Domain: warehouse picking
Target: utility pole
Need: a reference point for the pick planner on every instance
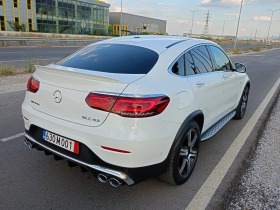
(272, 11)
(256, 34)
(224, 27)
(236, 36)
(121, 20)
(251, 34)
(193, 11)
(206, 27)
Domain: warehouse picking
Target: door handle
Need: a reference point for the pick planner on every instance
(224, 77)
(200, 84)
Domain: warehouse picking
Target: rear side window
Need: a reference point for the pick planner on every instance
(202, 59)
(179, 67)
(190, 67)
(112, 58)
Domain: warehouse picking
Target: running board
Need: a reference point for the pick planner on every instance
(216, 127)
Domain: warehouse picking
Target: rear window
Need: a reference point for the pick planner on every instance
(112, 58)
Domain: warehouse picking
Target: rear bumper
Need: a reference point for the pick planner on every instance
(97, 168)
(93, 163)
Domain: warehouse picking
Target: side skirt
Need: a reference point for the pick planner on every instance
(217, 126)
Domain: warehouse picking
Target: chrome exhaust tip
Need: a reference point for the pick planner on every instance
(115, 182)
(102, 178)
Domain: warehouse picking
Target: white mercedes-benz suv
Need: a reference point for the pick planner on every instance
(134, 107)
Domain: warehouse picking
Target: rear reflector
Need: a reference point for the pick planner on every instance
(33, 85)
(115, 150)
(128, 106)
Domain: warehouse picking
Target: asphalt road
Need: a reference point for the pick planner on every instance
(12, 54)
(31, 180)
(33, 53)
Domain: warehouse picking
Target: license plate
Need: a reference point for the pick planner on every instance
(62, 142)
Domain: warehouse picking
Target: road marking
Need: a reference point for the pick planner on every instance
(12, 137)
(207, 190)
(13, 91)
(35, 59)
(8, 52)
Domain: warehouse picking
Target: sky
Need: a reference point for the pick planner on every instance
(255, 16)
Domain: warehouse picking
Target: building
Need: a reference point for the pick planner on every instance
(57, 16)
(135, 24)
(19, 11)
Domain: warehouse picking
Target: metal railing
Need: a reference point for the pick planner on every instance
(27, 41)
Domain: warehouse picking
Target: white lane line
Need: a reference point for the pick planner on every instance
(12, 137)
(13, 91)
(35, 59)
(207, 190)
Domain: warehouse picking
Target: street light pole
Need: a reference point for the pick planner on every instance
(193, 11)
(121, 20)
(272, 11)
(224, 27)
(237, 26)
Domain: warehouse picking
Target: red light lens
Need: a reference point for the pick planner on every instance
(100, 101)
(128, 107)
(33, 85)
(115, 150)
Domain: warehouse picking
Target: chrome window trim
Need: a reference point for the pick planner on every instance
(198, 45)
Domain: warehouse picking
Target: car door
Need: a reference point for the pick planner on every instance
(229, 79)
(206, 84)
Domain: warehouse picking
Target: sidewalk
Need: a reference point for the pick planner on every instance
(259, 187)
(13, 83)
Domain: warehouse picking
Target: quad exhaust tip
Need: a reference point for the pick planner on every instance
(102, 178)
(112, 181)
(115, 182)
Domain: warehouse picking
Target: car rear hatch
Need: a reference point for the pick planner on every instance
(63, 90)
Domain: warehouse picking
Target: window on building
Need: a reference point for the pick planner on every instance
(2, 23)
(28, 4)
(30, 24)
(1, 2)
(16, 20)
(15, 3)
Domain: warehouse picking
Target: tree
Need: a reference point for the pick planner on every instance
(17, 26)
(110, 30)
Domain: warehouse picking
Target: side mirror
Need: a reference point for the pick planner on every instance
(241, 68)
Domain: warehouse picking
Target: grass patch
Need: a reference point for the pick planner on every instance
(256, 49)
(6, 70)
(236, 51)
(30, 67)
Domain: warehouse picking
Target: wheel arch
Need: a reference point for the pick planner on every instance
(196, 116)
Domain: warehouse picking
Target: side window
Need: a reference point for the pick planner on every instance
(190, 67)
(179, 66)
(222, 61)
(202, 59)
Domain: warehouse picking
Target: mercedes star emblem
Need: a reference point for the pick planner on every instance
(57, 96)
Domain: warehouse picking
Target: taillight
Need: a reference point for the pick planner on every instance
(33, 85)
(128, 106)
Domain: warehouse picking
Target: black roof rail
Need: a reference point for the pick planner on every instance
(176, 43)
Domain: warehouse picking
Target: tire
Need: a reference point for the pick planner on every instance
(241, 108)
(183, 156)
